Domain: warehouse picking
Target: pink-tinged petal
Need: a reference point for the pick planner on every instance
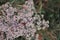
(25, 7)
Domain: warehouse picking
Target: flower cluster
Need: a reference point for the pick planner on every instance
(20, 22)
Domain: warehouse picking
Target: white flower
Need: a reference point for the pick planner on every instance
(42, 15)
(43, 27)
(39, 23)
(38, 27)
(47, 22)
(43, 21)
(37, 36)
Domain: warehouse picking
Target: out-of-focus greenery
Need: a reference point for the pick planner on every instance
(12, 1)
(51, 11)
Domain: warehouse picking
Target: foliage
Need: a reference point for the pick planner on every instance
(51, 12)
